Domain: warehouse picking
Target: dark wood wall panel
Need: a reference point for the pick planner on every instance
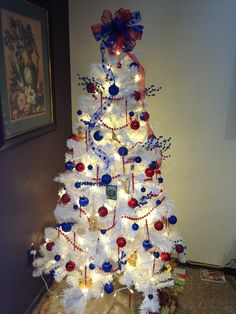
(28, 194)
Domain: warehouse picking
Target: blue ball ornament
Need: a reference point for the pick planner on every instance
(150, 296)
(107, 267)
(79, 112)
(147, 244)
(138, 160)
(153, 165)
(158, 202)
(57, 258)
(109, 288)
(144, 116)
(69, 165)
(131, 113)
(83, 201)
(98, 136)
(143, 189)
(133, 65)
(123, 151)
(75, 206)
(156, 254)
(160, 179)
(172, 220)
(113, 90)
(103, 231)
(91, 266)
(77, 185)
(135, 227)
(66, 226)
(106, 179)
(90, 167)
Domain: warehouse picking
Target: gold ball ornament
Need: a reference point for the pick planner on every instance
(132, 259)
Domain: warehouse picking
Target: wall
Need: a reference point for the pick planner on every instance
(189, 48)
(28, 194)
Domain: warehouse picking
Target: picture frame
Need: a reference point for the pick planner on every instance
(26, 89)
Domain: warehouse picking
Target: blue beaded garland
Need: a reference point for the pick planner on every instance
(172, 220)
(69, 165)
(92, 124)
(138, 160)
(98, 136)
(123, 151)
(106, 179)
(66, 226)
(91, 266)
(109, 288)
(135, 227)
(147, 244)
(52, 274)
(107, 267)
(83, 201)
(113, 90)
(57, 258)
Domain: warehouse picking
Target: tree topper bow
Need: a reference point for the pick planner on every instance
(118, 33)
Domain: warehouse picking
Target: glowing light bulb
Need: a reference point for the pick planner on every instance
(137, 78)
(117, 52)
(85, 290)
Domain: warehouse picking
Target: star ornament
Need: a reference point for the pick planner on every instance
(118, 33)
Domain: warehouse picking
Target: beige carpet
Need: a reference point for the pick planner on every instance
(198, 297)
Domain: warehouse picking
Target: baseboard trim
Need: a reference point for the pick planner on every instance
(36, 301)
(226, 270)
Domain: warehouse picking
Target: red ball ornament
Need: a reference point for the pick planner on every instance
(137, 96)
(70, 266)
(49, 246)
(102, 211)
(179, 248)
(165, 256)
(121, 242)
(80, 167)
(91, 88)
(158, 225)
(149, 172)
(65, 198)
(74, 137)
(133, 202)
(135, 125)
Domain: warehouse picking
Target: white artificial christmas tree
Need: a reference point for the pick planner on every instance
(114, 219)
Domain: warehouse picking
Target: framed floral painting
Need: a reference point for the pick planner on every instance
(25, 72)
